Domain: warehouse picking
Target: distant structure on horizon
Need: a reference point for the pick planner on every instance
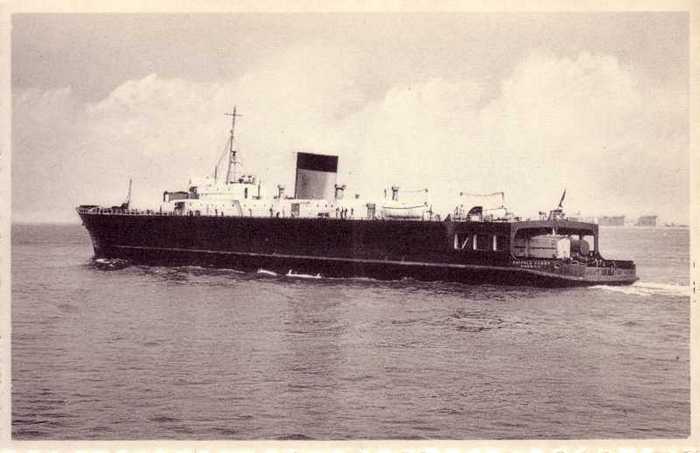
(620, 220)
(646, 220)
(616, 220)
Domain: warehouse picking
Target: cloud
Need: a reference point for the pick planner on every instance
(589, 123)
(617, 141)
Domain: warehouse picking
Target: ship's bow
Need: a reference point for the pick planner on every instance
(88, 216)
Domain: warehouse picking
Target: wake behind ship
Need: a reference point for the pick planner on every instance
(228, 222)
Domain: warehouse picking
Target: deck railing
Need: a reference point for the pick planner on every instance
(150, 212)
(121, 211)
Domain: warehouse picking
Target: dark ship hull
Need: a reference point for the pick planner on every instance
(382, 249)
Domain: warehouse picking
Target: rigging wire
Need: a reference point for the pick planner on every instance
(485, 195)
(226, 150)
(462, 194)
(413, 190)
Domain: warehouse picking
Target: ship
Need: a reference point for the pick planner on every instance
(228, 222)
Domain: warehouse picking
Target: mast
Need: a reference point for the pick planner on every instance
(128, 196)
(233, 162)
(126, 204)
(561, 202)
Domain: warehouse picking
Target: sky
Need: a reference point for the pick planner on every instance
(525, 103)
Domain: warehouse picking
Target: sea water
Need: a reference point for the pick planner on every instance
(192, 353)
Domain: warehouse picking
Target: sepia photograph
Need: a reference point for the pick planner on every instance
(350, 226)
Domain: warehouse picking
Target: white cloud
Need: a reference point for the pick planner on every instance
(608, 134)
(618, 142)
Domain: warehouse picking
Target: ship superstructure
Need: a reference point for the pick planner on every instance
(316, 194)
(229, 222)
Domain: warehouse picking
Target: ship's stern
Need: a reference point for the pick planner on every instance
(612, 272)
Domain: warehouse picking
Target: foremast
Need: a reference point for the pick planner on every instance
(233, 170)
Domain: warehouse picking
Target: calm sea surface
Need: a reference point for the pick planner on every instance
(192, 353)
